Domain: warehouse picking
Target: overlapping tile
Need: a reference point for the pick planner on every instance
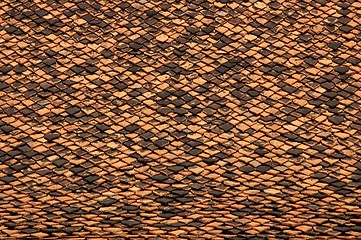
(180, 119)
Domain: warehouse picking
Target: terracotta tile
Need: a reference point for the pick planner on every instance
(150, 119)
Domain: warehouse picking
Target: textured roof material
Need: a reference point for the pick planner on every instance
(180, 119)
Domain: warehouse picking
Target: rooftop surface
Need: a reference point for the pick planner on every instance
(180, 119)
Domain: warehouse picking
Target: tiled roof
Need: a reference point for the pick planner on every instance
(202, 119)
